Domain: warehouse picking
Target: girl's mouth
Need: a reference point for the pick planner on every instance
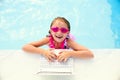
(59, 37)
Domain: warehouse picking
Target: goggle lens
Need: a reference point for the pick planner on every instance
(56, 29)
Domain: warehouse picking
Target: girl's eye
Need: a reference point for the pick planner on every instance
(64, 30)
(55, 29)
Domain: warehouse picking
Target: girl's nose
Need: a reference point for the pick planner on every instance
(59, 32)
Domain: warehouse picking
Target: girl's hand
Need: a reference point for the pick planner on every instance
(49, 54)
(63, 56)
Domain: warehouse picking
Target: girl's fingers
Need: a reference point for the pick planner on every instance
(53, 56)
(50, 59)
(65, 59)
(60, 59)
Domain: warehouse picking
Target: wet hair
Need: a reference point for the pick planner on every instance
(62, 19)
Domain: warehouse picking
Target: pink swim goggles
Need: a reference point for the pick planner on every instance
(56, 29)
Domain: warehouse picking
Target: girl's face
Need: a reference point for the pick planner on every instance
(59, 30)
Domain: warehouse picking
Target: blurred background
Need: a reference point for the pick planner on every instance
(94, 23)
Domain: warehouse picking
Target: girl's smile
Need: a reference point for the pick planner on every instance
(58, 38)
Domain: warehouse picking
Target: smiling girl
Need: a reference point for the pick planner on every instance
(59, 38)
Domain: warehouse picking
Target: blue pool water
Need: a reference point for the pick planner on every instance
(94, 23)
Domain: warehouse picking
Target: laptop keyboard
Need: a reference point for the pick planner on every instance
(56, 67)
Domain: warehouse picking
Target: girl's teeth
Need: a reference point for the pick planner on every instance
(59, 37)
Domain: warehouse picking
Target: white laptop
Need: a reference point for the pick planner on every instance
(56, 67)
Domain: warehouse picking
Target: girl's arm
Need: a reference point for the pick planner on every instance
(79, 51)
(34, 47)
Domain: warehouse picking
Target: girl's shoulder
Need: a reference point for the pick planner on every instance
(69, 40)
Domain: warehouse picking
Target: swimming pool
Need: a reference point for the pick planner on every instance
(94, 24)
